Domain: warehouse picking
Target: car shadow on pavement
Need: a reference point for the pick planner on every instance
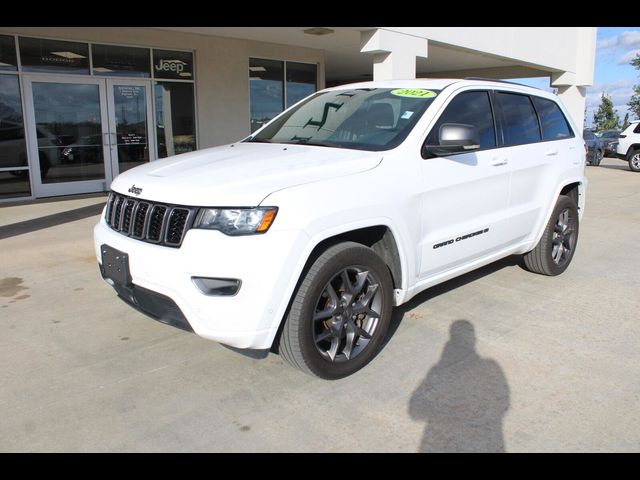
(28, 226)
(463, 399)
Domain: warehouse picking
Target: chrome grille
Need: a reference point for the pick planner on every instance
(151, 222)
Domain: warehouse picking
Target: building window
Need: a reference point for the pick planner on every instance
(172, 65)
(8, 59)
(175, 118)
(14, 170)
(118, 61)
(301, 81)
(50, 56)
(269, 92)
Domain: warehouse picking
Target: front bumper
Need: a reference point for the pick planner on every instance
(249, 319)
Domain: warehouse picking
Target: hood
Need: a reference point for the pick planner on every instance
(240, 174)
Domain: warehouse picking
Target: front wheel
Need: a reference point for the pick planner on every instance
(340, 313)
(634, 160)
(558, 243)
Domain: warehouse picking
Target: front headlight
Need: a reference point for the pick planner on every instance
(236, 221)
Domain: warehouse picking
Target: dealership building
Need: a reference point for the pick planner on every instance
(78, 106)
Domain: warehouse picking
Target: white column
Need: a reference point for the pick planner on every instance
(572, 86)
(572, 96)
(394, 54)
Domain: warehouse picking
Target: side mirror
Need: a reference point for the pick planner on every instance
(454, 138)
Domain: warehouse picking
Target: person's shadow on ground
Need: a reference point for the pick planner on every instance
(463, 399)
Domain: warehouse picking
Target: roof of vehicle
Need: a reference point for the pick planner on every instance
(439, 84)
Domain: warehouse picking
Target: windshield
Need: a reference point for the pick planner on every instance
(362, 119)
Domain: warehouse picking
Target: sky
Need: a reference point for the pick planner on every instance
(616, 47)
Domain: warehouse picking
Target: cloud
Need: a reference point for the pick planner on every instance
(627, 57)
(623, 47)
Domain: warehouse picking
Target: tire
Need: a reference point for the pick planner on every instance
(597, 158)
(634, 160)
(333, 329)
(556, 247)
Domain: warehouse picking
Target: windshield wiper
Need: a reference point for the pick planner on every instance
(259, 140)
(313, 144)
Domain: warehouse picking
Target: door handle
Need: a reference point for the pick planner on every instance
(496, 162)
(106, 139)
(551, 153)
(114, 139)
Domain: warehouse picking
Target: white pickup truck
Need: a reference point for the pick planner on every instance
(301, 238)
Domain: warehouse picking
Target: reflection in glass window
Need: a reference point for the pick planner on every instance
(520, 120)
(130, 106)
(8, 59)
(171, 64)
(14, 183)
(13, 150)
(301, 81)
(266, 90)
(554, 125)
(118, 61)
(69, 131)
(469, 108)
(39, 55)
(175, 118)
(372, 119)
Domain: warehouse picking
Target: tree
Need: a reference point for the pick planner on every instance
(634, 103)
(606, 118)
(625, 123)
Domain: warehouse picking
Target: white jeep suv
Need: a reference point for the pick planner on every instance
(302, 237)
(629, 146)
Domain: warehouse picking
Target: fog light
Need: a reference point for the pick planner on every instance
(218, 287)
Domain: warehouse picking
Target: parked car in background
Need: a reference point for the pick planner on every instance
(595, 148)
(629, 146)
(609, 140)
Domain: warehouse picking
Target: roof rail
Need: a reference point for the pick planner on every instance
(499, 81)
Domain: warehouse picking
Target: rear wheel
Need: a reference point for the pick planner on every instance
(634, 160)
(340, 313)
(558, 243)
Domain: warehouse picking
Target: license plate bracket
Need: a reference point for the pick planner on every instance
(115, 265)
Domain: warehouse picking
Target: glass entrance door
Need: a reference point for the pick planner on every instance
(85, 131)
(130, 119)
(68, 138)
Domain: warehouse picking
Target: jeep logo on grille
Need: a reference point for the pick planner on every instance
(135, 190)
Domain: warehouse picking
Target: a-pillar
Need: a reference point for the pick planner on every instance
(394, 54)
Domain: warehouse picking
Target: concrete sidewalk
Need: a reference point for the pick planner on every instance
(499, 359)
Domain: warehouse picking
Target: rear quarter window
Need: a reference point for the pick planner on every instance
(552, 120)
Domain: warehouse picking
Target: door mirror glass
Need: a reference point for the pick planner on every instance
(454, 138)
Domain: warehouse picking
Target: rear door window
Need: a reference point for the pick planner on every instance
(519, 119)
